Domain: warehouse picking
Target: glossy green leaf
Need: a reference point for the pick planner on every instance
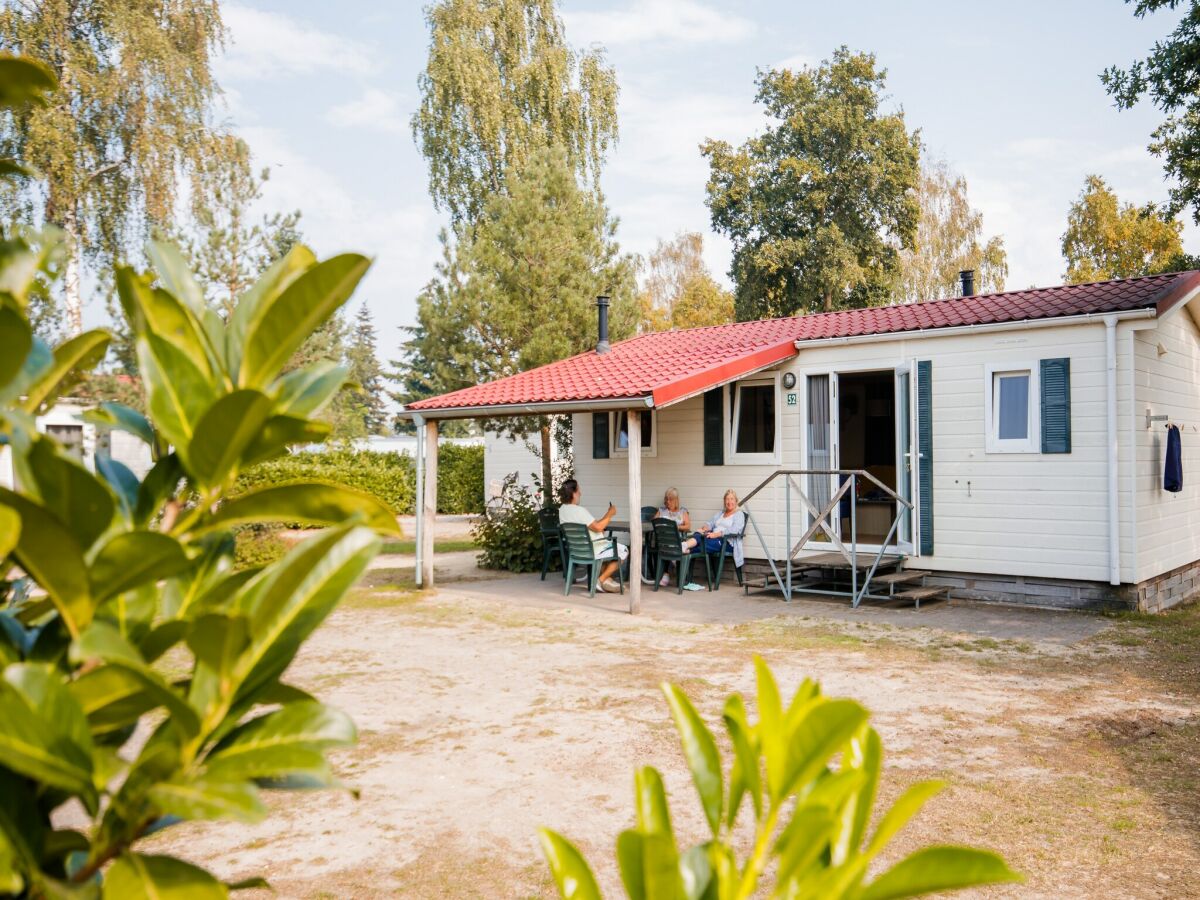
(817, 737)
(216, 641)
(700, 751)
(263, 292)
(222, 435)
(571, 872)
(292, 597)
(178, 392)
(130, 559)
(112, 698)
(119, 417)
(660, 876)
(78, 354)
(281, 432)
(281, 742)
(307, 504)
(176, 275)
(135, 876)
(162, 638)
(803, 841)
(939, 869)
(76, 497)
(104, 642)
(23, 262)
(282, 323)
(25, 81)
(697, 875)
(744, 775)
(901, 812)
(631, 862)
(51, 555)
(10, 531)
(865, 753)
(160, 483)
(653, 814)
(121, 481)
(157, 313)
(771, 732)
(16, 340)
(306, 391)
(208, 798)
(32, 745)
(36, 364)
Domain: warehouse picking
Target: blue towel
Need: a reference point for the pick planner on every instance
(1173, 470)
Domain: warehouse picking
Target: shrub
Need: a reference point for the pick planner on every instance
(509, 534)
(389, 476)
(129, 571)
(258, 545)
(810, 819)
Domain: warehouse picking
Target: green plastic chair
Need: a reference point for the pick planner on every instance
(581, 551)
(551, 539)
(726, 549)
(669, 546)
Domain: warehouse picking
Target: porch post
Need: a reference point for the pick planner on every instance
(635, 512)
(419, 494)
(429, 502)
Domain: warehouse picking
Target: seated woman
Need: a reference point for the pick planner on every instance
(730, 520)
(671, 509)
(570, 511)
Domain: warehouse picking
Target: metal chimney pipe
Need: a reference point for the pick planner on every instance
(967, 276)
(602, 345)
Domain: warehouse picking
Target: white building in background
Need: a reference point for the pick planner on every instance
(65, 424)
(505, 455)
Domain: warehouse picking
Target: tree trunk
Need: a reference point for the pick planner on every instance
(547, 466)
(828, 301)
(72, 294)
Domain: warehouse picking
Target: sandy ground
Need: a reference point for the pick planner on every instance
(490, 708)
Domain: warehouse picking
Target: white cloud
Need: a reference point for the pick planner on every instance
(669, 21)
(796, 62)
(375, 109)
(266, 44)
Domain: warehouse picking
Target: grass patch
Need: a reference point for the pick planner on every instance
(447, 545)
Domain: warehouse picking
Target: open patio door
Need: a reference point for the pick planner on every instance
(906, 457)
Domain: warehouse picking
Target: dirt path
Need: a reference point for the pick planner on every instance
(480, 720)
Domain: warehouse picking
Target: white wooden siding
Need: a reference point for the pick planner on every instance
(1168, 527)
(1022, 514)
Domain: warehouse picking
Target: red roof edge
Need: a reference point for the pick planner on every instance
(1176, 293)
(700, 381)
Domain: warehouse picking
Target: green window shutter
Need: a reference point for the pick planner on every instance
(600, 435)
(714, 437)
(1056, 405)
(925, 452)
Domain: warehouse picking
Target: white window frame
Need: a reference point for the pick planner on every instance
(614, 419)
(731, 418)
(992, 441)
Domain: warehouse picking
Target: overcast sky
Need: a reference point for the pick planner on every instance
(1007, 93)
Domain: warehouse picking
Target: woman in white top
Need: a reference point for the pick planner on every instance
(673, 510)
(730, 520)
(571, 511)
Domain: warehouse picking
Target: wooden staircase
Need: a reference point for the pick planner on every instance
(891, 586)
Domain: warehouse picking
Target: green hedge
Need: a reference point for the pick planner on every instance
(389, 476)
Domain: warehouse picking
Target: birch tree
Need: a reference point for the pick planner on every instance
(133, 112)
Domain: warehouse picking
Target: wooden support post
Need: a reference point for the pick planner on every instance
(429, 502)
(635, 512)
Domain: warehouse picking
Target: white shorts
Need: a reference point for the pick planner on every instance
(607, 551)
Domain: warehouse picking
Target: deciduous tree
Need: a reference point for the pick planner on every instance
(500, 83)
(677, 289)
(1170, 77)
(1109, 239)
(132, 113)
(949, 239)
(820, 206)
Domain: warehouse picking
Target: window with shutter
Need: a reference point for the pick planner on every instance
(1056, 405)
(600, 435)
(925, 452)
(714, 438)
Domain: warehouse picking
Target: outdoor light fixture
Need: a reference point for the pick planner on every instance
(789, 380)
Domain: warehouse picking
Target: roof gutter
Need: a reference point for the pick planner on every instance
(529, 409)
(980, 328)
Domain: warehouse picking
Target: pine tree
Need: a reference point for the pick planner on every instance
(366, 371)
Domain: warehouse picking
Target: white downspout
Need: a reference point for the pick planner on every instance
(419, 493)
(1114, 513)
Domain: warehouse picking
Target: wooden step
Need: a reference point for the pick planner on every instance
(923, 593)
(900, 577)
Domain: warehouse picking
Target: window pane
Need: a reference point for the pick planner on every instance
(622, 431)
(70, 436)
(756, 419)
(1013, 405)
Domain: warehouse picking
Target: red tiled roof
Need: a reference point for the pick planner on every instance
(668, 365)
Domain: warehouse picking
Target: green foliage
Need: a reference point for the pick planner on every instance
(390, 477)
(520, 290)
(820, 205)
(810, 818)
(509, 535)
(133, 114)
(1107, 239)
(256, 546)
(366, 372)
(677, 289)
(500, 84)
(1168, 77)
(129, 570)
(949, 239)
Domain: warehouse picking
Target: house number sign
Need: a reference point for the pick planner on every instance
(791, 399)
